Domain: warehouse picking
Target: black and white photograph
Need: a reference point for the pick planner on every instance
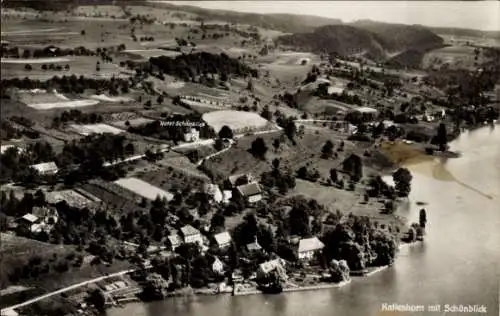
(249, 158)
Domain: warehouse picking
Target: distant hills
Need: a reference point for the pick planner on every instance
(375, 40)
(288, 23)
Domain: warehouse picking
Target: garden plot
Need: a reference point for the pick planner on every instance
(236, 120)
(90, 129)
(143, 189)
(105, 98)
(52, 60)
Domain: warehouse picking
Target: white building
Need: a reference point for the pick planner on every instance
(215, 192)
(46, 168)
(191, 235)
(308, 247)
(40, 218)
(174, 241)
(223, 240)
(218, 266)
(192, 135)
(250, 191)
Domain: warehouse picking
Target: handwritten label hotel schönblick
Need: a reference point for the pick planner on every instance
(439, 308)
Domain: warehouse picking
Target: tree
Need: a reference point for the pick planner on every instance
(441, 137)
(259, 148)
(226, 132)
(353, 165)
(250, 85)
(160, 99)
(422, 218)
(276, 144)
(402, 179)
(327, 150)
(334, 175)
(266, 113)
(28, 67)
(97, 299)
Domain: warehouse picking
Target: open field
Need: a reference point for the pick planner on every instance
(143, 188)
(34, 60)
(90, 129)
(63, 104)
(16, 251)
(236, 120)
(102, 97)
(453, 56)
(78, 66)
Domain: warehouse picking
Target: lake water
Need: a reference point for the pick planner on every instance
(457, 264)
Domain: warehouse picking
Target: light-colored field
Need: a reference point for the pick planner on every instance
(64, 104)
(72, 197)
(457, 56)
(176, 85)
(236, 120)
(143, 188)
(105, 98)
(90, 129)
(39, 96)
(147, 53)
(19, 32)
(34, 60)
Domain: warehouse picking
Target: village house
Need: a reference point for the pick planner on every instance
(217, 266)
(192, 135)
(191, 235)
(40, 218)
(239, 179)
(273, 265)
(215, 192)
(251, 191)
(308, 248)
(174, 241)
(254, 246)
(46, 168)
(223, 240)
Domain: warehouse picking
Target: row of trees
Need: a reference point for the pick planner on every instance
(69, 84)
(188, 66)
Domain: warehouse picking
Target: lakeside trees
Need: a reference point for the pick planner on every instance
(402, 180)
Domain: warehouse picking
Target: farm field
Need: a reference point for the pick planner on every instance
(454, 56)
(78, 66)
(143, 188)
(90, 129)
(236, 120)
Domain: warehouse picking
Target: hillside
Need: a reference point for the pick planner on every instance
(378, 41)
(340, 39)
(400, 37)
(287, 23)
(465, 32)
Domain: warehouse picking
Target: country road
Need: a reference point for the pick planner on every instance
(7, 310)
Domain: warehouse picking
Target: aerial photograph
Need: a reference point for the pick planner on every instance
(253, 158)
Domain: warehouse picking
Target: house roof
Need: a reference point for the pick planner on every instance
(250, 189)
(254, 246)
(30, 218)
(45, 166)
(271, 265)
(310, 244)
(189, 230)
(222, 238)
(43, 211)
(174, 240)
(235, 178)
